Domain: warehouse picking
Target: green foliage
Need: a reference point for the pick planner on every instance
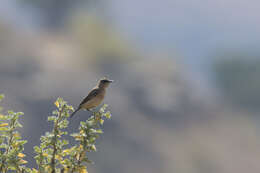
(50, 149)
(53, 154)
(89, 131)
(11, 144)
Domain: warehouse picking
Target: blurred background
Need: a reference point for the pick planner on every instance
(186, 96)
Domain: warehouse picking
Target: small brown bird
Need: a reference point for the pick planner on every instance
(95, 96)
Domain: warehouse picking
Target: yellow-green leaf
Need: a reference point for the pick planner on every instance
(16, 135)
(3, 124)
(83, 169)
(93, 147)
(66, 151)
(34, 170)
(57, 104)
(58, 157)
(45, 154)
(21, 155)
(23, 161)
(2, 116)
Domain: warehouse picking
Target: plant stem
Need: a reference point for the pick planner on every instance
(55, 131)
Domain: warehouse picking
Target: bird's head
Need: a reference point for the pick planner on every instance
(104, 83)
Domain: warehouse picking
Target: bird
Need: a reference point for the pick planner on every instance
(95, 96)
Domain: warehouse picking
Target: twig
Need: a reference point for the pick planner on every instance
(55, 131)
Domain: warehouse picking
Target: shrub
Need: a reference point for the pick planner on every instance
(54, 154)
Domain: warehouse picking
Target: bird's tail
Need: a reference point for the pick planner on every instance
(74, 112)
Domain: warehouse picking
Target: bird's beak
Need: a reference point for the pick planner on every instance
(111, 81)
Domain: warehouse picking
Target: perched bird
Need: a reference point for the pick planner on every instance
(95, 96)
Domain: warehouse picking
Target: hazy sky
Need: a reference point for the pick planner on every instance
(193, 27)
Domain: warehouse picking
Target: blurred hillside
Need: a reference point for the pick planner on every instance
(237, 76)
(162, 122)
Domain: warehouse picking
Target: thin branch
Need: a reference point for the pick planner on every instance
(55, 131)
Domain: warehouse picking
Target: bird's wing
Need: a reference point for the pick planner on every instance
(91, 95)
